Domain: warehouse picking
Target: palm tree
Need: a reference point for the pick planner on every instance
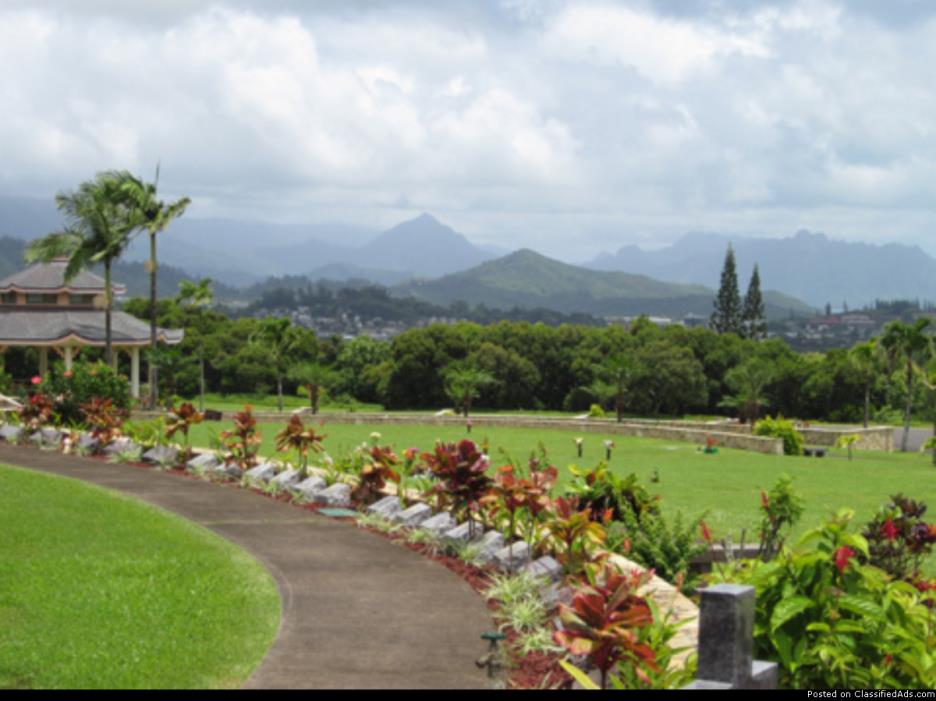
(99, 226)
(315, 378)
(866, 359)
(910, 345)
(280, 338)
(155, 217)
(615, 378)
(463, 384)
(197, 294)
(747, 382)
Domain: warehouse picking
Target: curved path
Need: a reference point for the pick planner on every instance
(358, 612)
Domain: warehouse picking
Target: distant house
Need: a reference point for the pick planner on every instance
(38, 309)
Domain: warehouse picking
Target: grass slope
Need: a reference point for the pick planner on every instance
(101, 591)
(727, 485)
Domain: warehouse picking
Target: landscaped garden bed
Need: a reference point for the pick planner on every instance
(548, 559)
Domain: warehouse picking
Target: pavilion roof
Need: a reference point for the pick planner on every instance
(50, 277)
(24, 326)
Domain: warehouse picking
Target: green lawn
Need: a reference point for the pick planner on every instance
(726, 485)
(101, 591)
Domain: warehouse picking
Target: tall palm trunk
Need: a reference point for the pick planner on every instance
(108, 306)
(153, 371)
(279, 392)
(909, 408)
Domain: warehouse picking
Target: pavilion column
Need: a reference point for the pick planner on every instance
(135, 372)
(69, 357)
(43, 361)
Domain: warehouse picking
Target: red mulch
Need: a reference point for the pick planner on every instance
(533, 671)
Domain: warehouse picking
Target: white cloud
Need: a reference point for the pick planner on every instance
(561, 122)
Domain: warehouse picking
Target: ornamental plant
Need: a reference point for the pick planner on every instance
(601, 623)
(380, 468)
(573, 535)
(296, 436)
(512, 496)
(181, 421)
(462, 473)
(899, 540)
(104, 419)
(831, 621)
(243, 441)
(37, 411)
(781, 509)
(601, 491)
(70, 389)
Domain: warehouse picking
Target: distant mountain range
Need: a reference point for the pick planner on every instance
(526, 278)
(241, 254)
(426, 257)
(809, 266)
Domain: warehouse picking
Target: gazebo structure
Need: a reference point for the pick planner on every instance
(39, 309)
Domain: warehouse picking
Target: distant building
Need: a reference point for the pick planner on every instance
(38, 309)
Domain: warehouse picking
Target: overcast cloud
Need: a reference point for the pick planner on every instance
(566, 126)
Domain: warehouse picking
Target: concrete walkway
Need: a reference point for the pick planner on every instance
(358, 612)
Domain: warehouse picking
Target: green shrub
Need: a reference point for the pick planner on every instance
(781, 428)
(636, 526)
(85, 381)
(596, 412)
(832, 622)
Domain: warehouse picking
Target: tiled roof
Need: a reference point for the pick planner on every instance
(20, 326)
(51, 276)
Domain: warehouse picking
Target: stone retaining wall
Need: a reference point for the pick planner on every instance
(872, 438)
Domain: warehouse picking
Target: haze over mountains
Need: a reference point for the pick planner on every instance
(809, 266)
(428, 259)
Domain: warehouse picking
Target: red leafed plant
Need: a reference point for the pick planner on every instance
(512, 495)
(573, 534)
(461, 470)
(296, 436)
(37, 411)
(602, 621)
(182, 420)
(104, 418)
(379, 469)
(243, 440)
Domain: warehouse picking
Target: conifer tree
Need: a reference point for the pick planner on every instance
(727, 315)
(753, 321)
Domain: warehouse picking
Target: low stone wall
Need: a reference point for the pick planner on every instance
(871, 438)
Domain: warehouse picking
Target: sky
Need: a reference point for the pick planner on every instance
(566, 126)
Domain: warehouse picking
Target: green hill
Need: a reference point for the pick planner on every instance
(527, 279)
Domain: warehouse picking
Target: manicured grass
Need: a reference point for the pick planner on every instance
(101, 591)
(726, 485)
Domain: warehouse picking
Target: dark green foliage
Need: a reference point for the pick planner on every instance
(636, 525)
(85, 382)
(782, 509)
(753, 315)
(726, 318)
(781, 428)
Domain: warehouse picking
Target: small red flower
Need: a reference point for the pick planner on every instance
(706, 533)
(67, 373)
(764, 501)
(888, 660)
(842, 557)
(889, 530)
(37, 380)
